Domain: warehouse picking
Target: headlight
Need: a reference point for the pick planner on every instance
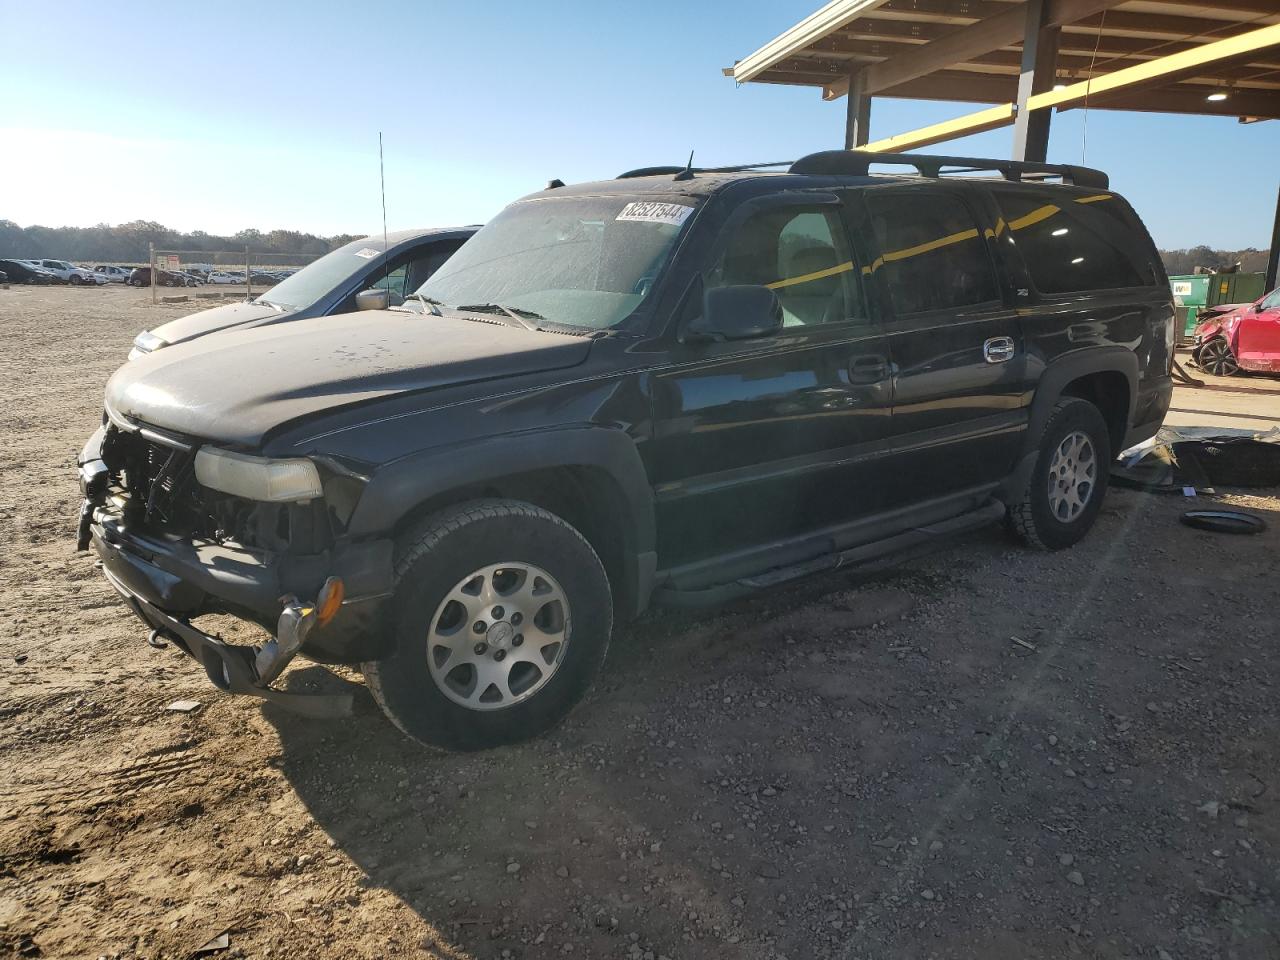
(146, 342)
(257, 478)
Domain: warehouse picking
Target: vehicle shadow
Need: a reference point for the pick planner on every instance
(586, 812)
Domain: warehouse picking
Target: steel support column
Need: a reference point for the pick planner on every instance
(1039, 60)
(858, 116)
(1273, 262)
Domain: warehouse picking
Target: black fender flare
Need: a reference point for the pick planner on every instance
(399, 487)
(1064, 370)
(1057, 375)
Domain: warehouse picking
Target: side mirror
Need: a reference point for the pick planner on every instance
(742, 312)
(373, 299)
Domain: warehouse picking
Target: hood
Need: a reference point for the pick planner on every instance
(207, 321)
(1222, 308)
(236, 387)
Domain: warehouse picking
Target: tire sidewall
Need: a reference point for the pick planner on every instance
(409, 692)
(1069, 417)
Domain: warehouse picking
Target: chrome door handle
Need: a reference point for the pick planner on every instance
(869, 368)
(998, 350)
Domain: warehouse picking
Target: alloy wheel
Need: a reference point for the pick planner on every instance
(1073, 474)
(1216, 358)
(498, 636)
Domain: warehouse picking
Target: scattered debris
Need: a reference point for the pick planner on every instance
(184, 706)
(221, 942)
(1211, 807)
(1224, 521)
(20, 658)
(1193, 459)
(1023, 643)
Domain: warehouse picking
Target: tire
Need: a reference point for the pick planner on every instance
(1076, 445)
(430, 688)
(1217, 358)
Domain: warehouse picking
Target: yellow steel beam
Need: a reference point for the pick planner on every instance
(1166, 68)
(817, 25)
(988, 119)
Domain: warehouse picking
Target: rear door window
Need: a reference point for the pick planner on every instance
(1072, 243)
(931, 254)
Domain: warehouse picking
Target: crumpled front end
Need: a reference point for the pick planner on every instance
(176, 550)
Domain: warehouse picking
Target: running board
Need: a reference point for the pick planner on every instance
(988, 513)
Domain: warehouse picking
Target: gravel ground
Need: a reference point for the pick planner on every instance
(984, 752)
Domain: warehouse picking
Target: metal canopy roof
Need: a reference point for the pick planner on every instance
(1178, 53)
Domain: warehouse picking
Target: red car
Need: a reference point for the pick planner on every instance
(1245, 336)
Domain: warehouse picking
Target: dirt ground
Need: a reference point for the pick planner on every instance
(984, 752)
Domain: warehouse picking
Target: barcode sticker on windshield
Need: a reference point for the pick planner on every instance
(368, 253)
(650, 211)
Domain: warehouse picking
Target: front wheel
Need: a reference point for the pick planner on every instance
(1063, 496)
(502, 614)
(1215, 357)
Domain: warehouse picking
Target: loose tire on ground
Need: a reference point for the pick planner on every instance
(497, 541)
(1065, 492)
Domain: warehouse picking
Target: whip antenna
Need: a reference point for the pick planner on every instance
(382, 181)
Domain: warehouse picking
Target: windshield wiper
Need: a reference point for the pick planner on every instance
(431, 306)
(523, 317)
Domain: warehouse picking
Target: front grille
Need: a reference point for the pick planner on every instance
(154, 482)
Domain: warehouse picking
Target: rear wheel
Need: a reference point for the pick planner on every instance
(502, 615)
(1216, 358)
(1065, 491)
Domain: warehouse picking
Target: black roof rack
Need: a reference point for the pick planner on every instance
(858, 163)
(671, 170)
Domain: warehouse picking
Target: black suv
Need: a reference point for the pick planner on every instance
(679, 385)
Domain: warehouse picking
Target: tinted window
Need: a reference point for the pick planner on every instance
(802, 255)
(1272, 302)
(931, 255)
(1073, 243)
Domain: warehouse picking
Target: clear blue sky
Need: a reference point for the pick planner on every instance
(230, 115)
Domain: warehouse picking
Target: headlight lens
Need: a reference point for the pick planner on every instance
(257, 478)
(146, 342)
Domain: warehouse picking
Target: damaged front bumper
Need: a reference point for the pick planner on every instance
(168, 580)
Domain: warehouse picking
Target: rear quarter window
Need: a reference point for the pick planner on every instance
(1075, 242)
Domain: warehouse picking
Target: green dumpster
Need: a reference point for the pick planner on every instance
(1234, 288)
(1190, 295)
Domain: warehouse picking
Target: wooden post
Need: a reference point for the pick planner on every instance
(248, 275)
(858, 116)
(155, 276)
(1039, 63)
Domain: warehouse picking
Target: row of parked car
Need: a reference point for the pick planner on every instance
(50, 272)
(45, 271)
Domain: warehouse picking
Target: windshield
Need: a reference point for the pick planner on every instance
(579, 261)
(319, 278)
